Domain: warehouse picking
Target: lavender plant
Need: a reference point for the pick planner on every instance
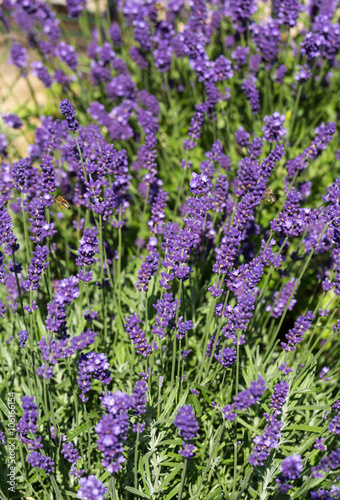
(170, 251)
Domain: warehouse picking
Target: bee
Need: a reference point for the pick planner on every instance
(61, 201)
(270, 196)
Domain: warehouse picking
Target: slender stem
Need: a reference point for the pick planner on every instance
(180, 493)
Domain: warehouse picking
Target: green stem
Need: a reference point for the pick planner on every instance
(180, 493)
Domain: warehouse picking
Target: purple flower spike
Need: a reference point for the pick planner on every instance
(92, 365)
(36, 459)
(279, 396)
(187, 429)
(291, 469)
(273, 129)
(70, 453)
(75, 7)
(91, 489)
(69, 113)
(137, 335)
(295, 335)
(23, 336)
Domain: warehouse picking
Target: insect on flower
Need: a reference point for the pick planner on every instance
(61, 201)
(270, 196)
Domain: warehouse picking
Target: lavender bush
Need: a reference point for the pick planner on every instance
(170, 252)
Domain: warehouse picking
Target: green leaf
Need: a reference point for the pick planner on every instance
(173, 492)
(76, 432)
(170, 477)
(308, 428)
(136, 492)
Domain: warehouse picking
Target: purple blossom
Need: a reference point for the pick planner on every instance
(242, 137)
(311, 45)
(92, 365)
(240, 55)
(41, 72)
(23, 336)
(293, 220)
(334, 425)
(36, 267)
(295, 335)
(250, 396)
(291, 468)
(91, 488)
(227, 357)
(69, 113)
(18, 55)
(137, 336)
(148, 269)
(166, 311)
(289, 11)
(283, 298)
(279, 396)
(241, 11)
(67, 54)
(36, 459)
(28, 423)
(12, 120)
(70, 453)
(319, 445)
(138, 56)
(3, 145)
(265, 442)
(281, 73)
(116, 34)
(187, 429)
(75, 7)
(196, 126)
(112, 432)
(48, 181)
(273, 128)
(87, 249)
(252, 94)
(267, 38)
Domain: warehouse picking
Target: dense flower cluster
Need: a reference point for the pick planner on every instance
(187, 429)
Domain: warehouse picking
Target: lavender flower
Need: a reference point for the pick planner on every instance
(273, 129)
(187, 429)
(282, 298)
(67, 54)
(91, 488)
(87, 250)
(36, 267)
(12, 120)
(166, 309)
(28, 423)
(69, 113)
(291, 468)
(295, 335)
(265, 442)
(137, 336)
(36, 459)
(279, 396)
(252, 94)
(92, 365)
(289, 12)
(196, 126)
(23, 336)
(227, 357)
(267, 38)
(148, 269)
(18, 56)
(112, 432)
(41, 72)
(70, 453)
(319, 444)
(75, 7)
